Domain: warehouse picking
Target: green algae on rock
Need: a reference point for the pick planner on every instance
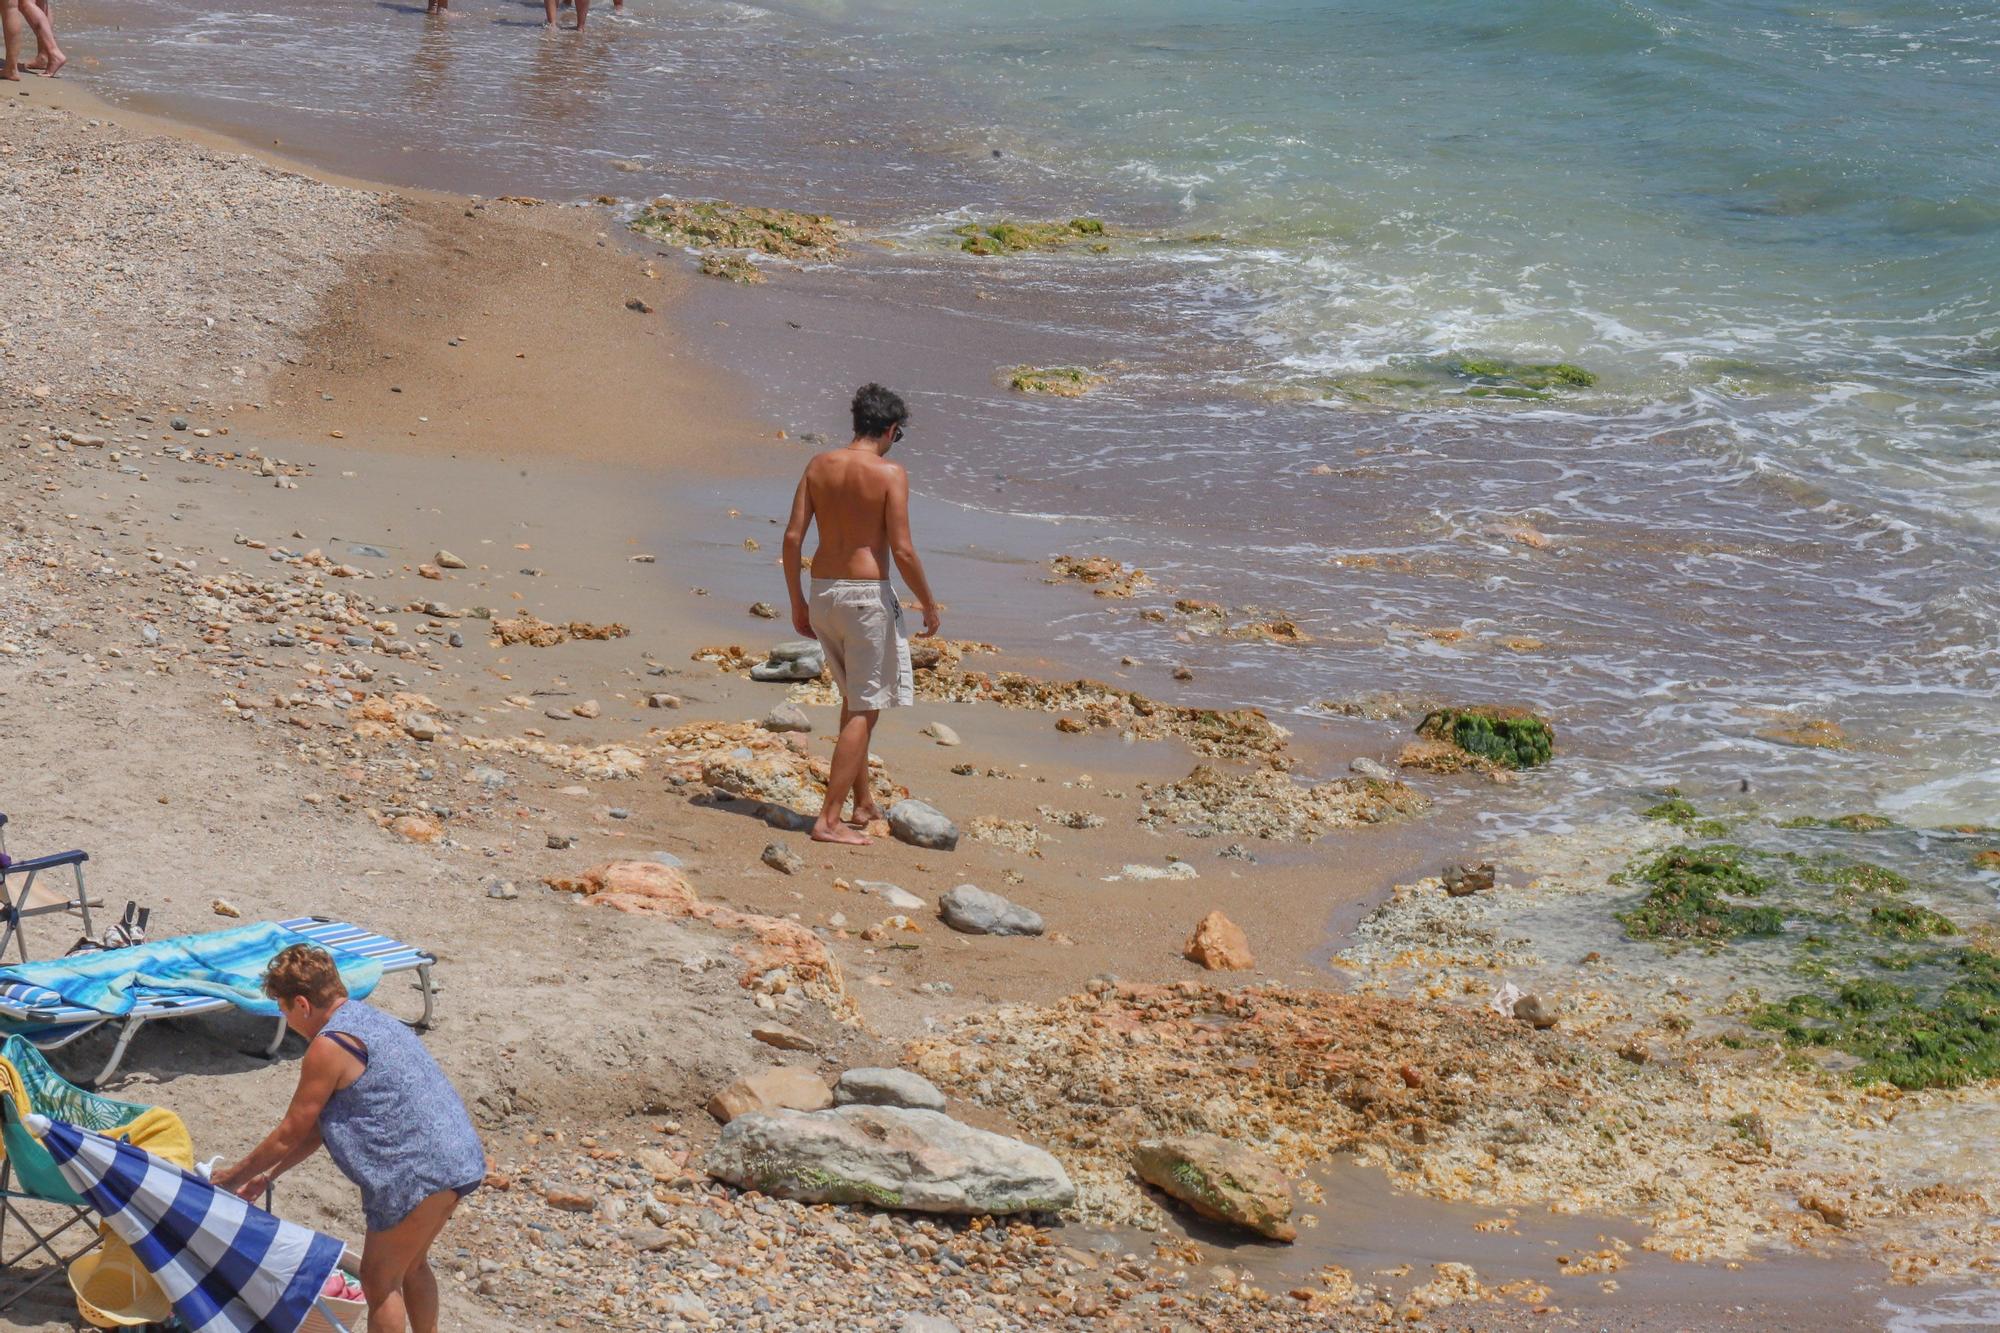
(1691, 893)
(780, 232)
(1903, 1034)
(1508, 737)
(1005, 238)
(734, 268)
(1495, 376)
(1056, 381)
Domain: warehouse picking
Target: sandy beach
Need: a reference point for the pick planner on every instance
(392, 555)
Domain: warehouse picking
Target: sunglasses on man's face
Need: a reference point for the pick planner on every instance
(896, 435)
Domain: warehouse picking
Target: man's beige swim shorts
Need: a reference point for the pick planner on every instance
(860, 625)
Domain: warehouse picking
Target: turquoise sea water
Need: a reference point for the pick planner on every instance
(1770, 231)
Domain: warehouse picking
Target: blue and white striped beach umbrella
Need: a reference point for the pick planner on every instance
(226, 1265)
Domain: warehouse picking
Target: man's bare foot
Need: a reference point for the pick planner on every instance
(11, 75)
(864, 815)
(839, 833)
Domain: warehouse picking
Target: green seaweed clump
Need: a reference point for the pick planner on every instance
(1904, 921)
(1900, 1035)
(1496, 378)
(1689, 897)
(1003, 238)
(1682, 814)
(1855, 823)
(782, 232)
(1058, 381)
(1511, 738)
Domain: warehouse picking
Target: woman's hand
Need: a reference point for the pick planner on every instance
(253, 1188)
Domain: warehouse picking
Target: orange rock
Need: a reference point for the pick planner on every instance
(415, 828)
(774, 943)
(1218, 944)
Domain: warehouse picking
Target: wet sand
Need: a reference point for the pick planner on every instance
(567, 435)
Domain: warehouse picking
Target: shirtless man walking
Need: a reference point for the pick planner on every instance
(861, 502)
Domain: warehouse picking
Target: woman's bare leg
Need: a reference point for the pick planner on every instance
(396, 1271)
(582, 13)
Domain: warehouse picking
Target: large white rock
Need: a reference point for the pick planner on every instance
(892, 1157)
(972, 910)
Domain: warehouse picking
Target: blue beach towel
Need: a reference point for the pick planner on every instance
(224, 964)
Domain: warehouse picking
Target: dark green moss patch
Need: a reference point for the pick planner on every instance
(1905, 921)
(1692, 896)
(1005, 238)
(1901, 1034)
(1494, 377)
(1511, 738)
(1854, 823)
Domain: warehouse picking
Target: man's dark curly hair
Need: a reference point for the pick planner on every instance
(877, 411)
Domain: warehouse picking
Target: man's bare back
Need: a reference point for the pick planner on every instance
(850, 491)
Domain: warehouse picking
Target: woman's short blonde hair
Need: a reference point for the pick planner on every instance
(304, 969)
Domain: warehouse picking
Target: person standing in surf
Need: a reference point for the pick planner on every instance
(861, 502)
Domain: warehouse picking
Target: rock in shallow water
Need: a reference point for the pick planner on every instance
(887, 1087)
(971, 910)
(1221, 1180)
(922, 825)
(892, 1157)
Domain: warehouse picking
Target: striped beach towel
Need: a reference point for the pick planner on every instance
(225, 1265)
(222, 964)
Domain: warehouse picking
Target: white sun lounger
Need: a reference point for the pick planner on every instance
(51, 1022)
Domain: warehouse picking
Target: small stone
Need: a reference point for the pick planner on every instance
(415, 828)
(179, 423)
(941, 733)
(502, 890)
(446, 560)
(589, 708)
(1182, 673)
(787, 716)
(663, 701)
(763, 611)
(560, 842)
(887, 1087)
(894, 895)
(782, 859)
(571, 1201)
(1464, 881)
(777, 1089)
(1218, 944)
(1369, 768)
(223, 907)
(783, 1038)
(421, 727)
(922, 825)
(1531, 1010)
(972, 910)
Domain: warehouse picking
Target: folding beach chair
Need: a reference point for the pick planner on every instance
(51, 1021)
(36, 1204)
(24, 892)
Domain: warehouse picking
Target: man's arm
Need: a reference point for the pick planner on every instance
(795, 542)
(297, 1135)
(905, 550)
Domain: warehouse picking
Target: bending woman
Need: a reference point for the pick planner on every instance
(390, 1120)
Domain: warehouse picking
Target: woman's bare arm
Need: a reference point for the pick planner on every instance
(297, 1135)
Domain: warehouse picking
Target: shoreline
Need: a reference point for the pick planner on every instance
(567, 511)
